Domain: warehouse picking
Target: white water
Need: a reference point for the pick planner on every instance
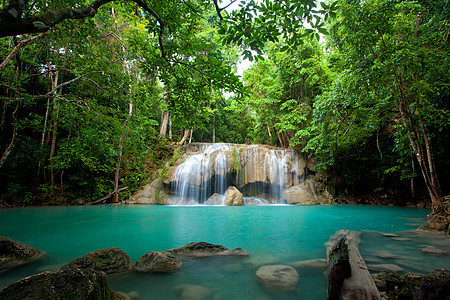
(263, 174)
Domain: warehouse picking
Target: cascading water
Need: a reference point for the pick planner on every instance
(262, 176)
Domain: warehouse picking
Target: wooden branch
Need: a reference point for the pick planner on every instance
(109, 195)
(16, 49)
(13, 139)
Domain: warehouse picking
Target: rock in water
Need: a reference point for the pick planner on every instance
(300, 195)
(111, 260)
(278, 277)
(14, 254)
(158, 262)
(194, 292)
(433, 250)
(233, 197)
(69, 282)
(203, 249)
(319, 263)
(348, 276)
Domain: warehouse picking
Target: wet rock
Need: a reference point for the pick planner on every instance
(437, 223)
(257, 261)
(194, 292)
(150, 194)
(381, 278)
(233, 197)
(300, 195)
(14, 253)
(111, 260)
(433, 250)
(348, 276)
(215, 199)
(310, 264)
(388, 234)
(382, 254)
(434, 286)
(204, 249)
(386, 267)
(412, 265)
(278, 277)
(65, 283)
(401, 239)
(158, 262)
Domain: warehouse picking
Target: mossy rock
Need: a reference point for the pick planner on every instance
(158, 262)
(14, 253)
(69, 282)
(111, 260)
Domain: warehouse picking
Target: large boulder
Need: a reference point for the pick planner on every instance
(69, 282)
(233, 197)
(300, 195)
(204, 249)
(278, 277)
(150, 194)
(111, 260)
(215, 199)
(14, 253)
(158, 262)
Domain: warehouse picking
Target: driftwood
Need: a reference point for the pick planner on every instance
(103, 200)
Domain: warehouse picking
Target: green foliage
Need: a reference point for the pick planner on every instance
(235, 164)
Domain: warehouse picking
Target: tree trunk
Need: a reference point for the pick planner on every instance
(214, 129)
(164, 122)
(190, 135)
(13, 138)
(54, 80)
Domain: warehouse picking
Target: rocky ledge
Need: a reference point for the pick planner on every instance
(204, 249)
(14, 253)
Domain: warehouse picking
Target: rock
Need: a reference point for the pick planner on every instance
(388, 234)
(66, 283)
(215, 199)
(233, 197)
(150, 194)
(158, 262)
(310, 264)
(401, 239)
(348, 276)
(434, 286)
(433, 250)
(204, 249)
(437, 223)
(111, 260)
(194, 292)
(386, 267)
(278, 277)
(257, 261)
(382, 277)
(299, 195)
(14, 253)
(412, 265)
(382, 254)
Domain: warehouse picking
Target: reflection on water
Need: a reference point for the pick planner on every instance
(272, 235)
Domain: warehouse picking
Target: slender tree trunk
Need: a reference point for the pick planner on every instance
(214, 129)
(184, 138)
(54, 80)
(164, 122)
(13, 138)
(190, 135)
(170, 127)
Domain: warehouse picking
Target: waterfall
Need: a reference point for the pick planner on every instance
(263, 174)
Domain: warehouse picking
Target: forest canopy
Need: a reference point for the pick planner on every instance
(96, 95)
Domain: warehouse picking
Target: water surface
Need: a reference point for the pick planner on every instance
(272, 234)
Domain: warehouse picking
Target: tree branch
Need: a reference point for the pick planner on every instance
(16, 49)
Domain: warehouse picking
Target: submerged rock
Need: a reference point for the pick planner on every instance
(69, 282)
(278, 277)
(215, 199)
(433, 250)
(233, 197)
(194, 292)
(111, 260)
(14, 253)
(158, 262)
(257, 261)
(320, 263)
(386, 267)
(204, 249)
